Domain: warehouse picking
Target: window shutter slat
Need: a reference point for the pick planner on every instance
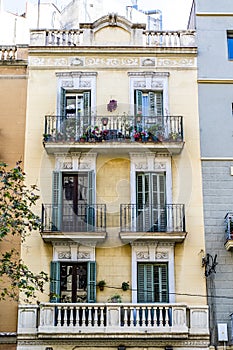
(91, 282)
(159, 104)
(54, 281)
(138, 107)
(87, 103)
(57, 200)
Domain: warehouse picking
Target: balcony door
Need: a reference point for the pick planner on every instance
(151, 199)
(75, 109)
(149, 103)
(73, 282)
(73, 194)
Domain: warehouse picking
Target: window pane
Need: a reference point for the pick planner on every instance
(230, 47)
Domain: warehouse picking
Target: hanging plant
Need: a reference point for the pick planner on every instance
(112, 105)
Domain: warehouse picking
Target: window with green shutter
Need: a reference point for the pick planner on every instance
(153, 283)
(149, 103)
(73, 282)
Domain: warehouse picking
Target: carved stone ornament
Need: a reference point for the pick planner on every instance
(148, 62)
(161, 255)
(143, 255)
(64, 255)
(83, 256)
(159, 166)
(76, 61)
(67, 83)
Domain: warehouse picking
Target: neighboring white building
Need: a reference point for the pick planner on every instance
(48, 15)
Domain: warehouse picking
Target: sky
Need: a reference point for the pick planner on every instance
(175, 13)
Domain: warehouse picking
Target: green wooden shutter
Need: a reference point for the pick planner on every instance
(159, 104)
(62, 102)
(161, 283)
(145, 283)
(54, 281)
(87, 103)
(91, 281)
(57, 201)
(152, 111)
(138, 106)
(91, 187)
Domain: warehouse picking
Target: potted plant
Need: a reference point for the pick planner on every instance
(101, 284)
(116, 298)
(125, 286)
(83, 138)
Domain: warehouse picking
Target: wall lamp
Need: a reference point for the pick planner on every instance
(121, 347)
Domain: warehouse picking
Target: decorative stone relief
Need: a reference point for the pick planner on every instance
(148, 62)
(76, 61)
(143, 255)
(161, 255)
(92, 61)
(139, 84)
(183, 62)
(159, 166)
(157, 84)
(69, 83)
(83, 255)
(64, 255)
(85, 83)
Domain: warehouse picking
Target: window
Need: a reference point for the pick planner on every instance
(151, 199)
(153, 283)
(75, 104)
(149, 103)
(230, 44)
(73, 282)
(73, 194)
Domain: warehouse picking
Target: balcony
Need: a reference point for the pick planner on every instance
(229, 231)
(143, 221)
(147, 321)
(128, 133)
(65, 222)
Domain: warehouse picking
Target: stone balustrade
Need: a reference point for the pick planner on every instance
(8, 53)
(78, 37)
(170, 38)
(62, 318)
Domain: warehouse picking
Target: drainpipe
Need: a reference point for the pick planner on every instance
(38, 17)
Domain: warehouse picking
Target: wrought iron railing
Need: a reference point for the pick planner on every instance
(229, 225)
(152, 218)
(113, 128)
(70, 218)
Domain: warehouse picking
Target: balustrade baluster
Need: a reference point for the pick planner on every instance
(132, 316)
(82, 316)
(71, 316)
(160, 323)
(65, 319)
(59, 315)
(166, 316)
(150, 317)
(143, 316)
(95, 316)
(169, 39)
(125, 316)
(89, 316)
(102, 315)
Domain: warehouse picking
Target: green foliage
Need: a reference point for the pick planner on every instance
(17, 218)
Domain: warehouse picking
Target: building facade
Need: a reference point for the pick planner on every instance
(214, 28)
(112, 140)
(13, 94)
